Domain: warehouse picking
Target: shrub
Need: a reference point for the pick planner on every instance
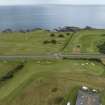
(46, 42)
(9, 75)
(61, 35)
(53, 41)
(52, 35)
(67, 34)
(78, 46)
(17, 68)
(54, 89)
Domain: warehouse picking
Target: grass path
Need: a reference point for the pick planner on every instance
(67, 42)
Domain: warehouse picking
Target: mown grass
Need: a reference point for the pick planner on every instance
(87, 40)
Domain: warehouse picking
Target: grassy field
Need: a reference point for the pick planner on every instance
(30, 42)
(47, 82)
(87, 40)
(50, 82)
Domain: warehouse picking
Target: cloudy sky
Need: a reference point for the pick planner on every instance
(20, 2)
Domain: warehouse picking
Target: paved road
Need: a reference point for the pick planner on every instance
(84, 56)
(53, 56)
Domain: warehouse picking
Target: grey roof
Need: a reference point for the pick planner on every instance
(87, 98)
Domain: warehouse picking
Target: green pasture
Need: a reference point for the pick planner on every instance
(50, 82)
(44, 82)
(87, 40)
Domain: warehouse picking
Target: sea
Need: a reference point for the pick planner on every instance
(51, 16)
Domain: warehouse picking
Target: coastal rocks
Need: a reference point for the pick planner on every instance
(7, 30)
(67, 29)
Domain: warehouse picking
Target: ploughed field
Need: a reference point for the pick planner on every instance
(51, 82)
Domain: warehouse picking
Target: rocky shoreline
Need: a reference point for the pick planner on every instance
(59, 29)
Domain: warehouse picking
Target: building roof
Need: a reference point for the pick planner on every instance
(86, 97)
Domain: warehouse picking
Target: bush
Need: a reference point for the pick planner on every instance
(54, 89)
(53, 41)
(11, 73)
(18, 67)
(52, 35)
(46, 42)
(103, 35)
(7, 76)
(67, 34)
(61, 35)
(78, 46)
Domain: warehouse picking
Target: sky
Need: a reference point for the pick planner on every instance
(27, 2)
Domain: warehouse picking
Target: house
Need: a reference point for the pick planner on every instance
(87, 97)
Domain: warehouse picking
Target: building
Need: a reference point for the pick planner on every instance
(87, 97)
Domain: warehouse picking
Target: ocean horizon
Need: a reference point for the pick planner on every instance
(51, 16)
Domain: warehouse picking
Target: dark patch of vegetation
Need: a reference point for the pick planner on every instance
(18, 68)
(47, 30)
(90, 59)
(58, 100)
(53, 41)
(7, 76)
(88, 28)
(67, 29)
(46, 42)
(28, 30)
(52, 35)
(11, 73)
(67, 34)
(103, 35)
(78, 46)
(7, 30)
(61, 35)
(22, 31)
(95, 60)
(54, 89)
(37, 29)
(101, 48)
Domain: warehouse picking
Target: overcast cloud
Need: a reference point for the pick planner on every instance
(23, 2)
